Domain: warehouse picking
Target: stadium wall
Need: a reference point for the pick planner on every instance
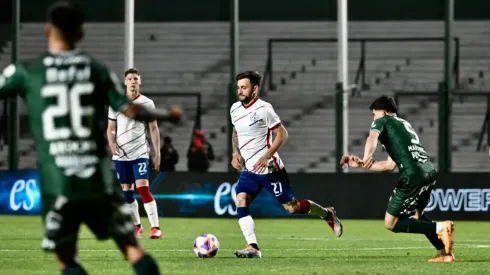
(258, 10)
(458, 196)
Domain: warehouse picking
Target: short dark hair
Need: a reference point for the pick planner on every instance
(131, 71)
(167, 140)
(68, 18)
(384, 103)
(253, 76)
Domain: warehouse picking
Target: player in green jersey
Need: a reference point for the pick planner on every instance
(66, 92)
(405, 211)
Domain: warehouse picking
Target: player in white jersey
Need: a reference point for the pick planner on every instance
(255, 155)
(131, 153)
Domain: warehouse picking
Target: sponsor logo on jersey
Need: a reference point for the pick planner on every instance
(254, 117)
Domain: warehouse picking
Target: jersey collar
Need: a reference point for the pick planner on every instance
(136, 97)
(250, 103)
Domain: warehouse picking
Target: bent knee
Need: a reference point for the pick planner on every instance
(241, 200)
(142, 182)
(127, 187)
(291, 207)
(389, 225)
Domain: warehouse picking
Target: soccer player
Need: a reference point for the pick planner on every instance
(405, 212)
(255, 155)
(66, 91)
(130, 151)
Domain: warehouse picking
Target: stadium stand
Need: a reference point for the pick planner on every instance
(193, 57)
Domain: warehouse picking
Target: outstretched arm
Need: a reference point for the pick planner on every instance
(140, 113)
(155, 140)
(387, 165)
(370, 147)
(116, 97)
(353, 161)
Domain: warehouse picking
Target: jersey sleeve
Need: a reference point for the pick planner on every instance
(271, 119)
(378, 125)
(12, 81)
(111, 114)
(151, 106)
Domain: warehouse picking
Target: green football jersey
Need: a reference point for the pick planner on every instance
(66, 95)
(402, 144)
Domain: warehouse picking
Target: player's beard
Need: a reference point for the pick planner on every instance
(247, 99)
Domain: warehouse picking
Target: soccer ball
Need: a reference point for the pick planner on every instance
(206, 246)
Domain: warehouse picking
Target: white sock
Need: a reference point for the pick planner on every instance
(135, 213)
(317, 210)
(152, 212)
(248, 229)
(439, 227)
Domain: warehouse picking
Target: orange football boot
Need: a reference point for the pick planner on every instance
(443, 259)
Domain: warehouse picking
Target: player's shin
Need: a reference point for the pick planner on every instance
(74, 269)
(133, 204)
(150, 205)
(146, 265)
(409, 225)
(433, 238)
(312, 208)
(247, 225)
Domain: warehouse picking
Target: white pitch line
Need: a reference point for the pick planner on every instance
(270, 249)
(368, 240)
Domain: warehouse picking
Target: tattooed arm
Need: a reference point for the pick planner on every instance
(234, 141)
(237, 161)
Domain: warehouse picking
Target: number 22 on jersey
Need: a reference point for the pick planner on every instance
(68, 103)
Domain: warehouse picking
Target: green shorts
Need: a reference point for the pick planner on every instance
(107, 217)
(412, 193)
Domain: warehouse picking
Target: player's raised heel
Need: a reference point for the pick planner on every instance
(334, 222)
(446, 236)
(248, 252)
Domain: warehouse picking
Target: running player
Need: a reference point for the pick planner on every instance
(405, 212)
(255, 155)
(130, 151)
(66, 91)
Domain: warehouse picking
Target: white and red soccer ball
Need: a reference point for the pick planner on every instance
(206, 246)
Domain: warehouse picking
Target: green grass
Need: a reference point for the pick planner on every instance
(289, 246)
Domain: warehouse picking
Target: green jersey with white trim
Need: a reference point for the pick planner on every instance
(66, 95)
(402, 144)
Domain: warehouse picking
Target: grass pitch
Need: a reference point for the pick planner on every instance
(289, 246)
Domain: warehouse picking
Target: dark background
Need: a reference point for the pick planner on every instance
(354, 196)
(258, 10)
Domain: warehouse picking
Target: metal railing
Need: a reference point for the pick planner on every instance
(485, 128)
(360, 79)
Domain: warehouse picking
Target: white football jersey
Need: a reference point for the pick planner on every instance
(254, 125)
(130, 133)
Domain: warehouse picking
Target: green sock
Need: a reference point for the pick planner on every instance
(408, 225)
(433, 238)
(74, 269)
(146, 266)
